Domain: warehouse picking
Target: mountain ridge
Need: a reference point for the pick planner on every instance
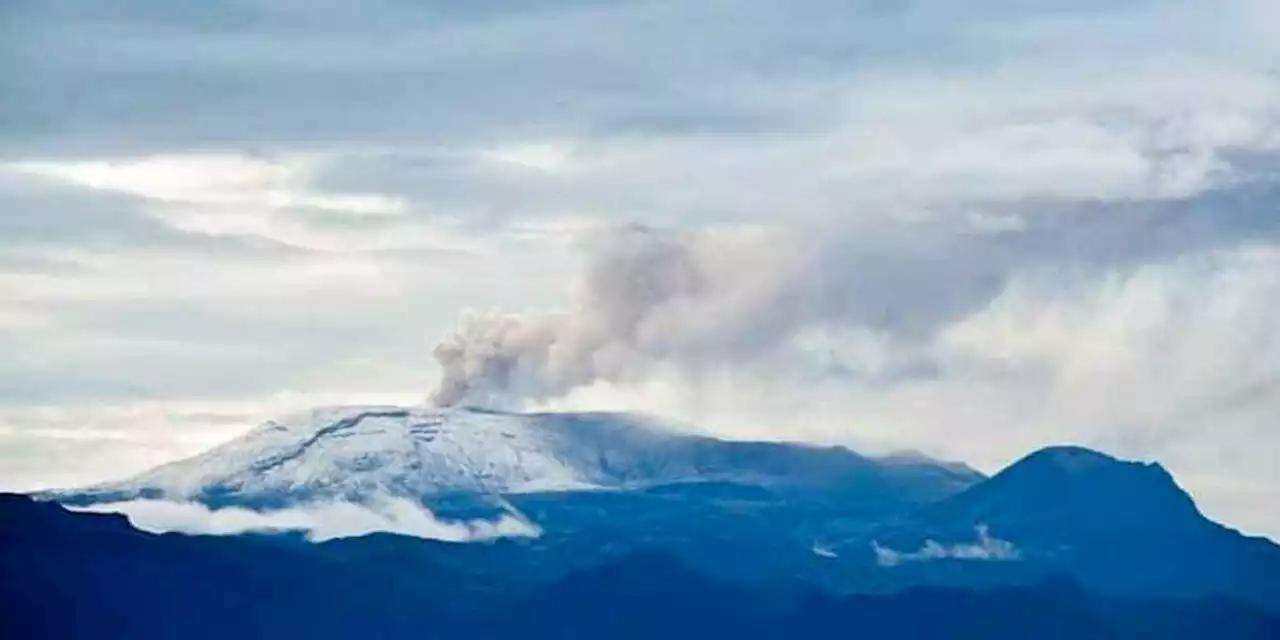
(75, 575)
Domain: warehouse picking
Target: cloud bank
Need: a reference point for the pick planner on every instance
(319, 521)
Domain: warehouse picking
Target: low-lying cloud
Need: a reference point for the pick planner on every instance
(985, 548)
(320, 521)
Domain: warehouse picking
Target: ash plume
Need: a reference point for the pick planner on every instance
(689, 302)
(648, 298)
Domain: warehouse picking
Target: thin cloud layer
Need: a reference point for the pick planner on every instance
(319, 521)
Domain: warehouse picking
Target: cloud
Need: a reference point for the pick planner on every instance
(394, 73)
(985, 548)
(320, 521)
(969, 230)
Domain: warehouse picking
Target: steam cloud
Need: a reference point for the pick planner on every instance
(648, 299)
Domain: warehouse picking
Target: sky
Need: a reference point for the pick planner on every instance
(969, 229)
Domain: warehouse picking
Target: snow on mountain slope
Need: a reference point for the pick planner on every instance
(353, 453)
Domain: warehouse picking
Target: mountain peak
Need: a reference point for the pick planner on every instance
(1070, 457)
(1076, 464)
(1074, 486)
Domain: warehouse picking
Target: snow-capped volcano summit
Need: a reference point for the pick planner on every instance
(350, 452)
(353, 453)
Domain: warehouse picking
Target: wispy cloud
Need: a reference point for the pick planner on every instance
(319, 521)
(985, 547)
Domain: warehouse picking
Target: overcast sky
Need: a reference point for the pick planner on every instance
(974, 228)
